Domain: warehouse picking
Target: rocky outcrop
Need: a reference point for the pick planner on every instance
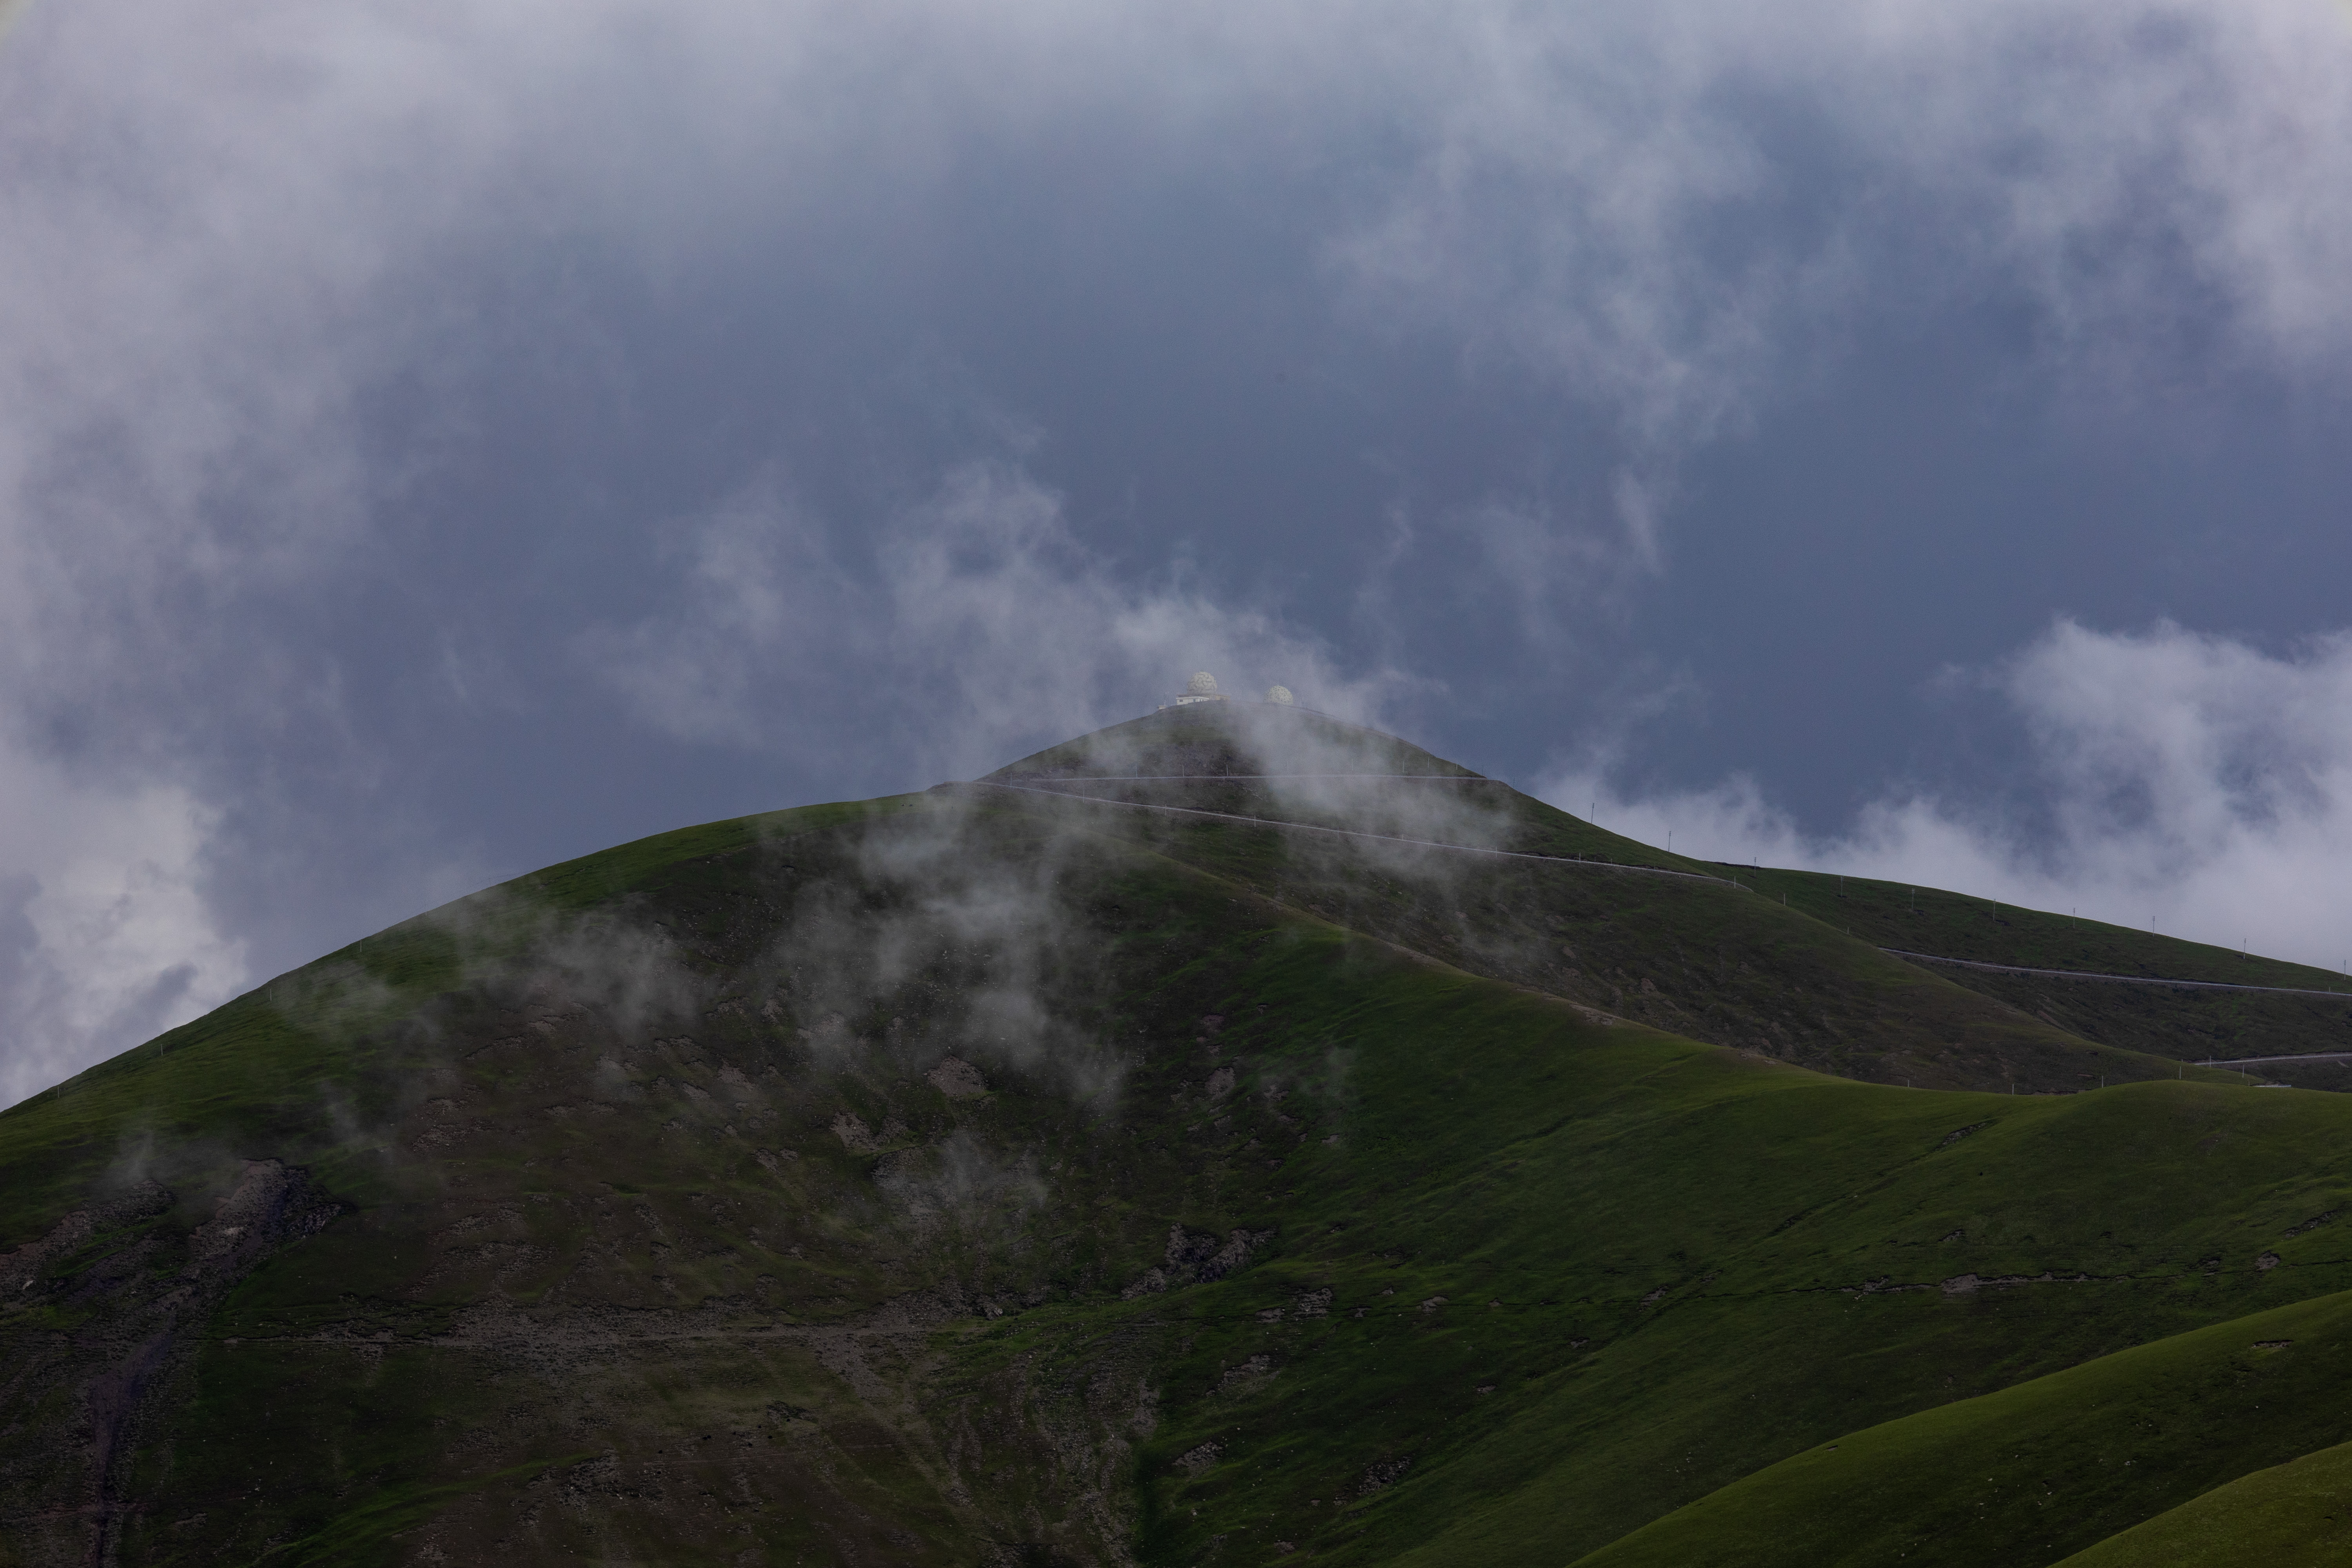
(96, 1319)
(1197, 1258)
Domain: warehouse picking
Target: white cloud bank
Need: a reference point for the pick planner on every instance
(105, 934)
(2189, 783)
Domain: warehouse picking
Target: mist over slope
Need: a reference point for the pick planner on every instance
(1233, 1135)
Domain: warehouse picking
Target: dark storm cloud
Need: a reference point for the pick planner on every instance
(435, 439)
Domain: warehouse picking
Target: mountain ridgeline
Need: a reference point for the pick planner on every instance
(1233, 1137)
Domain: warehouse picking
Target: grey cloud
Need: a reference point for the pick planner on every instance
(1665, 205)
(203, 319)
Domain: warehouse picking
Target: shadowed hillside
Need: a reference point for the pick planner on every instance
(2182, 1022)
(1336, 1167)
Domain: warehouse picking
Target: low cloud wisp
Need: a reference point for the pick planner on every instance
(980, 628)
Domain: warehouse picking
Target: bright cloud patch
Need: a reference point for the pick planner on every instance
(2190, 783)
(105, 938)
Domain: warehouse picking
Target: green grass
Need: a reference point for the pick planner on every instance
(2015, 1040)
(2039, 1470)
(371, 1529)
(608, 1281)
(271, 1070)
(2187, 1025)
(1957, 925)
(1763, 1203)
(2300, 1511)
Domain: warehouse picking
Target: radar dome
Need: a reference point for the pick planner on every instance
(1202, 685)
(1278, 694)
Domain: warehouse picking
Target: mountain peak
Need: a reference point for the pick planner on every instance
(1230, 740)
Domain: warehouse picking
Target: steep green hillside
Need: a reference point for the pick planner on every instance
(988, 1176)
(2297, 1512)
(2047, 1465)
(2189, 1024)
(1701, 957)
(1720, 955)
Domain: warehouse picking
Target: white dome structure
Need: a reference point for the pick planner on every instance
(1279, 695)
(1202, 687)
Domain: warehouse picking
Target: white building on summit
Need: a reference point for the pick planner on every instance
(1202, 687)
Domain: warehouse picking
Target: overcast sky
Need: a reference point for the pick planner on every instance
(438, 439)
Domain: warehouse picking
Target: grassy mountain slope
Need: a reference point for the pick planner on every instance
(983, 1176)
(2044, 1467)
(1957, 925)
(2190, 1025)
(2300, 1511)
(1704, 959)
(1728, 955)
